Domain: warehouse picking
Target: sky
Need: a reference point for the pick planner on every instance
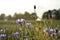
(20, 6)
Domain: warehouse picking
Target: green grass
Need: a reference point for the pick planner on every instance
(11, 26)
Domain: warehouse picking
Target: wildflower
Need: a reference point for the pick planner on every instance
(25, 37)
(20, 29)
(19, 21)
(2, 30)
(29, 25)
(46, 30)
(2, 35)
(52, 31)
(15, 34)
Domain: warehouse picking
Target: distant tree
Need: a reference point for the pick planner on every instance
(18, 15)
(9, 17)
(27, 15)
(2, 16)
(55, 14)
(44, 15)
(47, 14)
(34, 16)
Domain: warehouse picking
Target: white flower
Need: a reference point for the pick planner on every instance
(2, 30)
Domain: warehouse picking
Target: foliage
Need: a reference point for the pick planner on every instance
(2, 16)
(26, 15)
(55, 14)
(13, 33)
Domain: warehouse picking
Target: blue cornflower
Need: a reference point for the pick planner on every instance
(46, 30)
(29, 25)
(25, 37)
(15, 34)
(19, 21)
(2, 35)
(52, 31)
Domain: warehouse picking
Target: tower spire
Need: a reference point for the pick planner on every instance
(34, 8)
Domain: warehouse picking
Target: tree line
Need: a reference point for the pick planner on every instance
(26, 15)
(55, 14)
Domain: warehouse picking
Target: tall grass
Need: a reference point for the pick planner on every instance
(32, 34)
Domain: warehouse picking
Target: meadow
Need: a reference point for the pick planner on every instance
(13, 31)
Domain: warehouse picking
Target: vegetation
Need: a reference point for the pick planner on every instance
(54, 13)
(26, 15)
(30, 29)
